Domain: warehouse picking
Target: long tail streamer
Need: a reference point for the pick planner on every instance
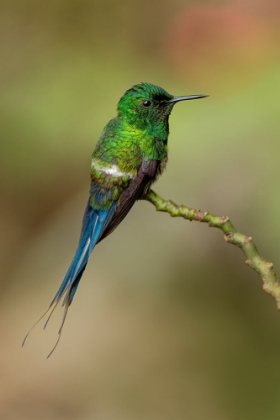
(94, 224)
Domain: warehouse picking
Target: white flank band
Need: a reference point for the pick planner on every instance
(111, 170)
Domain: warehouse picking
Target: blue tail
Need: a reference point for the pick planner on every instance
(94, 224)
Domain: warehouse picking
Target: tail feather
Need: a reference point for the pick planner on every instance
(94, 224)
(66, 303)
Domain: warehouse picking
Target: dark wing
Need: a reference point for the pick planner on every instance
(137, 188)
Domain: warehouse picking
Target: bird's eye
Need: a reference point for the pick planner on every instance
(146, 103)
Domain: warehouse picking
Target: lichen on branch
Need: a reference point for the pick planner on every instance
(264, 268)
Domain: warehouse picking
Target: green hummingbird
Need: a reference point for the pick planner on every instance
(129, 156)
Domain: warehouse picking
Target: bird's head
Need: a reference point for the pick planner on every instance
(145, 104)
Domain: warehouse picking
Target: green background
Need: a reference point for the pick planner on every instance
(168, 323)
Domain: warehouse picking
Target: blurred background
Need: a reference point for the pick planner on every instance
(168, 322)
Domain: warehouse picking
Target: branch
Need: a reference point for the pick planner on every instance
(264, 268)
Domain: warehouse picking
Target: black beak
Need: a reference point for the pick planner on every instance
(187, 98)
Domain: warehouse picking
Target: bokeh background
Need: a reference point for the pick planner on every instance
(168, 322)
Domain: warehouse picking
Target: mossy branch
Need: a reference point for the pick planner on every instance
(264, 268)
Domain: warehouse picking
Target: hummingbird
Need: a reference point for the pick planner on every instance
(129, 156)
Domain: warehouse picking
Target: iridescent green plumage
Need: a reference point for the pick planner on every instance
(130, 154)
(137, 133)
